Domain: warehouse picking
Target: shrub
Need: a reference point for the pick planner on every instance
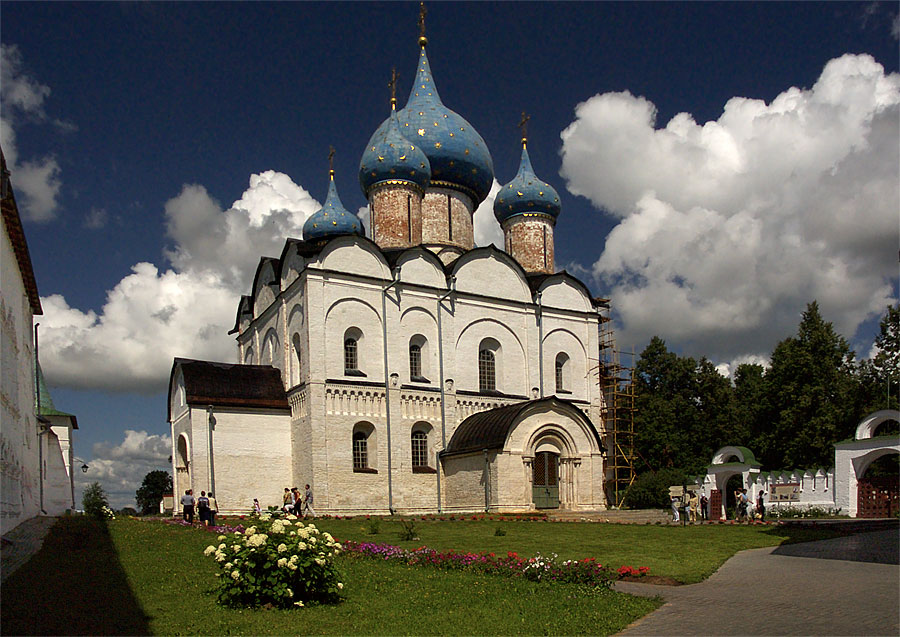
(499, 531)
(651, 490)
(373, 525)
(280, 563)
(408, 529)
(94, 501)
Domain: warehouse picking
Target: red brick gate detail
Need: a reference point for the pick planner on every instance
(878, 497)
(715, 504)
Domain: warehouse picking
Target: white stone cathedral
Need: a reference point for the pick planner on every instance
(411, 372)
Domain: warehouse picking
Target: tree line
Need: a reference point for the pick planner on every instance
(812, 394)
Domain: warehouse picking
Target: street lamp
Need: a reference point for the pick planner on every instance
(84, 466)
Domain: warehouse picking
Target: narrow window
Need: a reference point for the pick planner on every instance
(351, 360)
(449, 219)
(415, 361)
(409, 218)
(545, 247)
(486, 370)
(419, 449)
(562, 373)
(360, 450)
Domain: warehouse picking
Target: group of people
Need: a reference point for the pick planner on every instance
(294, 502)
(206, 507)
(698, 507)
(742, 500)
(695, 505)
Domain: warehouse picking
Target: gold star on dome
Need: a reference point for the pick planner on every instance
(437, 144)
(421, 132)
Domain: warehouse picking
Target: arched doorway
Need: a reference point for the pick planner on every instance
(878, 488)
(545, 480)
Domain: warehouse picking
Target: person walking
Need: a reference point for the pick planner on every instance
(704, 508)
(213, 509)
(308, 502)
(256, 508)
(287, 502)
(187, 506)
(675, 502)
(743, 506)
(761, 505)
(694, 502)
(203, 508)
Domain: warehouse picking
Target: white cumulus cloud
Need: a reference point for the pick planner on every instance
(730, 227)
(120, 468)
(152, 316)
(36, 181)
(487, 228)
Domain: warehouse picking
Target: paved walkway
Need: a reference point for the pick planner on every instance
(21, 543)
(843, 586)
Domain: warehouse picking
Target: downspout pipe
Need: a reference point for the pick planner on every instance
(442, 382)
(387, 384)
(540, 322)
(42, 428)
(487, 481)
(211, 423)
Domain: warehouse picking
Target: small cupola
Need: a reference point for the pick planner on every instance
(526, 194)
(527, 209)
(333, 219)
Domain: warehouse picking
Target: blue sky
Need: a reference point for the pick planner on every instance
(711, 220)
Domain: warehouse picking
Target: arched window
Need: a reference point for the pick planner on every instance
(365, 448)
(353, 352)
(296, 375)
(419, 440)
(351, 355)
(360, 450)
(248, 356)
(562, 373)
(487, 370)
(418, 359)
(415, 361)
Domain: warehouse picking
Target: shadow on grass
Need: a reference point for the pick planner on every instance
(75, 585)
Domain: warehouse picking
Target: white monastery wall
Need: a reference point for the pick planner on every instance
(57, 486)
(19, 463)
(251, 456)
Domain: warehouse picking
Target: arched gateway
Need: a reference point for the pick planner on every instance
(539, 454)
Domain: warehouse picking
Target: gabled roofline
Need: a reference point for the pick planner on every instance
(16, 233)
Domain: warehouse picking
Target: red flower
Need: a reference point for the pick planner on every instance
(644, 570)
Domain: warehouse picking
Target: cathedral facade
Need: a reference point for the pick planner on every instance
(409, 371)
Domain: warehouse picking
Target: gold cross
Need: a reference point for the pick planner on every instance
(393, 85)
(422, 13)
(523, 125)
(331, 160)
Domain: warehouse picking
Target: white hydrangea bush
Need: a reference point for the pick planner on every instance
(279, 562)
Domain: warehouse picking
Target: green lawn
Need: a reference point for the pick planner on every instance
(687, 554)
(141, 577)
(145, 577)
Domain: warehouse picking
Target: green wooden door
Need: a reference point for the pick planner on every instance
(545, 480)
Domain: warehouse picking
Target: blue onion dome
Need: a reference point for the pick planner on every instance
(391, 158)
(458, 156)
(526, 194)
(333, 219)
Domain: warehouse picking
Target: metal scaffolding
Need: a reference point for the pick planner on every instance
(616, 380)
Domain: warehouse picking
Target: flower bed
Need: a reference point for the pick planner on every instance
(539, 568)
(278, 563)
